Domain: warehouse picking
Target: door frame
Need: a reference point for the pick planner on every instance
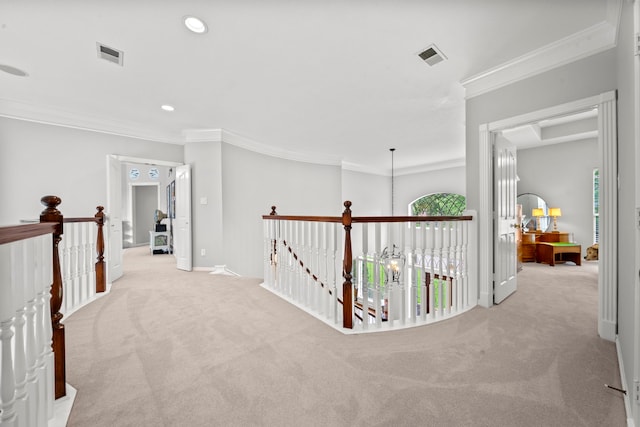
(607, 148)
(117, 192)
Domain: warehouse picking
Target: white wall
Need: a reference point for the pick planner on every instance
(38, 159)
(371, 194)
(562, 175)
(205, 159)
(252, 183)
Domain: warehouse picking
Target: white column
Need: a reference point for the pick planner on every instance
(608, 278)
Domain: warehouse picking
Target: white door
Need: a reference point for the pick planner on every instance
(505, 224)
(114, 219)
(182, 224)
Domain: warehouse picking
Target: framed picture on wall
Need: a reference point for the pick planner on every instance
(169, 201)
(173, 198)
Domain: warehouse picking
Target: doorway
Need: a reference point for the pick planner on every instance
(607, 148)
(117, 208)
(145, 199)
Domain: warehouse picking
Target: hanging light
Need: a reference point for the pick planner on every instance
(393, 267)
(392, 210)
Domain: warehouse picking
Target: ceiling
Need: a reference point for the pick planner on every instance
(328, 81)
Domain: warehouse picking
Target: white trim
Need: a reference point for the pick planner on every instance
(202, 135)
(595, 39)
(258, 147)
(635, 373)
(57, 116)
(623, 385)
(144, 161)
(485, 219)
(217, 269)
(608, 242)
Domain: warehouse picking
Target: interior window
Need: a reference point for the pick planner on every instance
(438, 204)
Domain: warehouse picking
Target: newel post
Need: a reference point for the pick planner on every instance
(347, 286)
(274, 241)
(52, 214)
(101, 278)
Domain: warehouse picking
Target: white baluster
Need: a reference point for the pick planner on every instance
(431, 268)
(44, 252)
(411, 268)
(364, 276)
(19, 254)
(7, 313)
(335, 275)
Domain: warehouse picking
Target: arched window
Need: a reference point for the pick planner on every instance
(438, 204)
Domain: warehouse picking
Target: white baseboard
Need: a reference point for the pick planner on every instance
(217, 269)
(62, 408)
(623, 383)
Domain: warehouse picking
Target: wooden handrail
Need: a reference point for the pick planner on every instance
(337, 219)
(365, 219)
(15, 233)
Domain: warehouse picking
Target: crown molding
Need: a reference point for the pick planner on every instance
(251, 145)
(595, 39)
(430, 167)
(202, 135)
(57, 116)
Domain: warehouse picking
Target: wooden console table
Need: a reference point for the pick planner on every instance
(546, 252)
(530, 241)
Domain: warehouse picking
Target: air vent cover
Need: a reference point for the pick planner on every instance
(432, 55)
(110, 54)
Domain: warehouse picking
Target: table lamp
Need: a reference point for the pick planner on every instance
(537, 213)
(555, 213)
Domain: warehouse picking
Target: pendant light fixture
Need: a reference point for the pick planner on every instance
(392, 189)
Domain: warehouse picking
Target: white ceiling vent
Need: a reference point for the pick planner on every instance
(432, 55)
(110, 54)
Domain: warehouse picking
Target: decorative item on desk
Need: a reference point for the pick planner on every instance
(537, 213)
(158, 216)
(555, 213)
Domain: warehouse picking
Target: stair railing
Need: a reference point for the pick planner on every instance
(397, 272)
(32, 283)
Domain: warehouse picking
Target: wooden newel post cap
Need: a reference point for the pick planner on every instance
(347, 205)
(51, 213)
(99, 215)
(51, 202)
(273, 211)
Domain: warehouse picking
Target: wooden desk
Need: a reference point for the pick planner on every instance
(528, 247)
(552, 237)
(547, 252)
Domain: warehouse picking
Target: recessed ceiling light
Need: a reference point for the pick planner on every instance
(167, 107)
(13, 70)
(194, 24)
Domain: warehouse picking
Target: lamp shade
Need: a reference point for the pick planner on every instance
(555, 212)
(537, 212)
